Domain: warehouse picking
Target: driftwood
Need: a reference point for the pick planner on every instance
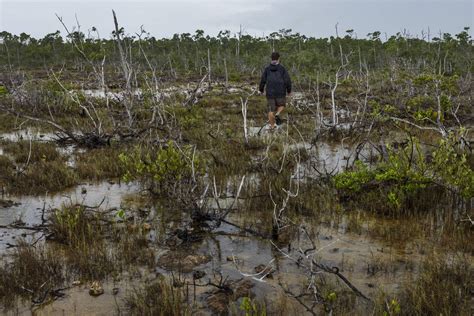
(193, 95)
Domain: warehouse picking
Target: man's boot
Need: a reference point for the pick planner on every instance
(278, 120)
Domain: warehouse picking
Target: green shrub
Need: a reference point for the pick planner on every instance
(406, 174)
(168, 171)
(354, 180)
(452, 167)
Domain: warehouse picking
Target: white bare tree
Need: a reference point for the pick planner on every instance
(244, 104)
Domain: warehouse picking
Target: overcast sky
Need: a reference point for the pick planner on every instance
(163, 18)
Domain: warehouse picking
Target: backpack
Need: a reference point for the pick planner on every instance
(276, 82)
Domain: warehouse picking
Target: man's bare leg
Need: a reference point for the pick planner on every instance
(277, 115)
(279, 110)
(271, 119)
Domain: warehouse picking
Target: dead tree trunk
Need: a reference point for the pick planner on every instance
(244, 104)
(127, 73)
(226, 74)
(209, 66)
(333, 98)
(123, 59)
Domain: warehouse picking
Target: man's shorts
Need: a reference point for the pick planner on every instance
(273, 103)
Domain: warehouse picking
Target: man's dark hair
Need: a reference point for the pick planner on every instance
(275, 56)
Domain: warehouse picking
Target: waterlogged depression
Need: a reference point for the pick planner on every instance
(31, 211)
(370, 264)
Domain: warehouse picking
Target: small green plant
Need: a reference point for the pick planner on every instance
(189, 117)
(393, 308)
(167, 171)
(250, 308)
(3, 90)
(73, 226)
(121, 214)
(331, 297)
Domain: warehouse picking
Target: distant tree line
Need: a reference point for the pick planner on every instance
(239, 55)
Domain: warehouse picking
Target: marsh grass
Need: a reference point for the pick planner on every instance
(444, 287)
(220, 102)
(84, 244)
(73, 225)
(134, 249)
(45, 177)
(402, 231)
(7, 168)
(7, 122)
(40, 151)
(283, 305)
(82, 233)
(159, 297)
(99, 164)
(95, 245)
(30, 273)
(41, 170)
(230, 159)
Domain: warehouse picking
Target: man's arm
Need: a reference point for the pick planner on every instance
(263, 81)
(287, 79)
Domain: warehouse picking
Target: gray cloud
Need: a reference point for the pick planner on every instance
(313, 18)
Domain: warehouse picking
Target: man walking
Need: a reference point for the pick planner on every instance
(278, 85)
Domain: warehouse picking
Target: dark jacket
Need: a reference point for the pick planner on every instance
(277, 80)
